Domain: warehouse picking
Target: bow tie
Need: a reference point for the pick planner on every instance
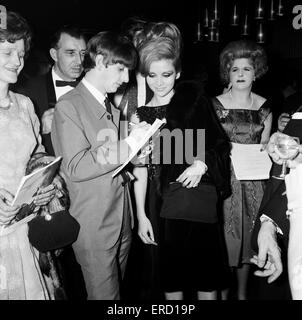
(61, 83)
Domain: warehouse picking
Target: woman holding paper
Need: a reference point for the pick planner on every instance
(185, 249)
(20, 275)
(247, 119)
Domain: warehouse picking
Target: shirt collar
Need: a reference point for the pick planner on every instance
(95, 92)
(55, 76)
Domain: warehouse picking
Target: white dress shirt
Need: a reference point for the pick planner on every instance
(60, 91)
(95, 92)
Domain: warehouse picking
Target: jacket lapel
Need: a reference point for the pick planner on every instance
(98, 109)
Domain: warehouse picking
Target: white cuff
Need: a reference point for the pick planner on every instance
(266, 218)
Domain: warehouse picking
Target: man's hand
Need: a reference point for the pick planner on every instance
(283, 121)
(138, 130)
(269, 255)
(296, 161)
(47, 120)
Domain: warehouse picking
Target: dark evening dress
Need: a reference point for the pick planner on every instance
(241, 208)
(150, 268)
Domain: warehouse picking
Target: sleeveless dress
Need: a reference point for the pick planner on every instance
(151, 282)
(20, 275)
(241, 208)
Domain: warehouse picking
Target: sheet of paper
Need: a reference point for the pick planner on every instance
(249, 162)
(297, 115)
(157, 124)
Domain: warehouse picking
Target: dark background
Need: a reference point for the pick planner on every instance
(283, 43)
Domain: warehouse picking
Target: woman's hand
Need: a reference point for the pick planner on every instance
(45, 195)
(193, 174)
(145, 230)
(7, 212)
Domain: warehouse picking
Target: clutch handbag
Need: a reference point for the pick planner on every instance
(193, 204)
(46, 235)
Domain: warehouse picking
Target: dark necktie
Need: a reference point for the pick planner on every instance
(62, 83)
(108, 106)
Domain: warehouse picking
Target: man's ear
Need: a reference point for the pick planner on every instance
(178, 75)
(53, 54)
(99, 62)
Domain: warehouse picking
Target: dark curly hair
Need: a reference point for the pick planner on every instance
(17, 28)
(242, 49)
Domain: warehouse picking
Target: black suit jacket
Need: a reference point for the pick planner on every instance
(41, 91)
(274, 201)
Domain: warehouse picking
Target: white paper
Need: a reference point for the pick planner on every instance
(157, 124)
(249, 162)
(297, 115)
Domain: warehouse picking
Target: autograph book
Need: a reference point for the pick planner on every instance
(156, 126)
(29, 184)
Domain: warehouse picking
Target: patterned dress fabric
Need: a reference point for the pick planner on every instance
(20, 274)
(241, 208)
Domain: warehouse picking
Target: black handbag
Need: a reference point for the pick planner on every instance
(53, 228)
(56, 232)
(193, 204)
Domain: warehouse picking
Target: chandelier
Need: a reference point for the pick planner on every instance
(242, 19)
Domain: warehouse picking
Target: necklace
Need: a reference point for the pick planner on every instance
(5, 103)
(252, 100)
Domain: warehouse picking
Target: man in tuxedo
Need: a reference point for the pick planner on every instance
(67, 50)
(85, 132)
(271, 232)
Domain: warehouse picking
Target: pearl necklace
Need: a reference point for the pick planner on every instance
(252, 100)
(8, 103)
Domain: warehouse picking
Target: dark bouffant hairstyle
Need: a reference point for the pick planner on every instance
(114, 48)
(17, 28)
(162, 48)
(242, 49)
